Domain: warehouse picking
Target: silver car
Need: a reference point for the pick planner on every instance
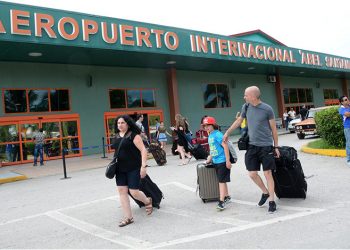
(291, 124)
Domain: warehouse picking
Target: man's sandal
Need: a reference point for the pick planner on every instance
(149, 207)
(126, 221)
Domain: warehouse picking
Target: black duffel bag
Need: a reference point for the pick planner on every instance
(243, 142)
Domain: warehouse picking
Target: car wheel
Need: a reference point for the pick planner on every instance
(300, 136)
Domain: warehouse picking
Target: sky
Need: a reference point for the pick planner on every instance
(315, 25)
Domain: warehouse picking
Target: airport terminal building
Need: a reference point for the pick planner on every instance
(72, 74)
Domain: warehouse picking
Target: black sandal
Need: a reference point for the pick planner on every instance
(126, 221)
(149, 206)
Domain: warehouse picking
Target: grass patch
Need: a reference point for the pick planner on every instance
(321, 144)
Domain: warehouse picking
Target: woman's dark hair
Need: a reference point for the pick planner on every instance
(131, 124)
(139, 116)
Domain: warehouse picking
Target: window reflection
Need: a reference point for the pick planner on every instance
(148, 99)
(15, 101)
(216, 96)
(38, 100)
(117, 98)
(59, 100)
(134, 98)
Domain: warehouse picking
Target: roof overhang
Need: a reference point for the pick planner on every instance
(74, 38)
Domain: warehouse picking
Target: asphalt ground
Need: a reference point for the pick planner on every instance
(82, 212)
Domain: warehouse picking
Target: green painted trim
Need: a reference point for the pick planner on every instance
(158, 39)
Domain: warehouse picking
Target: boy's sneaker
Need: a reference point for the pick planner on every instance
(227, 199)
(263, 199)
(221, 205)
(272, 207)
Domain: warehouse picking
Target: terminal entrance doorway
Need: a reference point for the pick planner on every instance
(17, 141)
(150, 118)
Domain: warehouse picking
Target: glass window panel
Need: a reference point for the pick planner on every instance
(117, 98)
(16, 154)
(223, 96)
(134, 98)
(28, 150)
(72, 144)
(8, 133)
(52, 148)
(51, 129)
(69, 128)
(59, 99)
(148, 99)
(15, 101)
(335, 95)
(325, 94)
(309, 97)
(301, 95)
(27, 131)
(6, 153)
(286, 96)
(38, 100)
(210, 98)
(293, 96)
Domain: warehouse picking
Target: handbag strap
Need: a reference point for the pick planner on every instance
(119, 146)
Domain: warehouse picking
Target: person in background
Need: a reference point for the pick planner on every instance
(39, 138)
(286, 118)
(142, 128)
(303, 112)
(291, 114)
(182, 142)
(220, 157)
(161, 135)
(344, 111)
(202, 135)
(8, 151)
(188, 132)
(131, 168)
(263, 143)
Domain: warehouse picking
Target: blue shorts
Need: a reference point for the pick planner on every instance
(131, 179)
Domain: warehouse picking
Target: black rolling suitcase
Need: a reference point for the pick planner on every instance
(151, 190)
(198, 151)
(289, 176)
(208, 183)
(158, 154)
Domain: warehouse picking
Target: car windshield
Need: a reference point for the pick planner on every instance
(311, 114)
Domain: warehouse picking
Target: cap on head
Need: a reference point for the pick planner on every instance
(209, 121)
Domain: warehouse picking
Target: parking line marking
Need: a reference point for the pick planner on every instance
(234, 229)
(99, 232)
(221, 220)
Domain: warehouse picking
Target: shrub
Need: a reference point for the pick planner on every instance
(330, 127)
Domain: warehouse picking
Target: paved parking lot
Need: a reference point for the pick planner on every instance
(83, 212)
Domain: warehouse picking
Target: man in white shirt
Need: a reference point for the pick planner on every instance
(291, 114)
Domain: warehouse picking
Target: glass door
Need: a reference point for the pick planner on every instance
(26, 132)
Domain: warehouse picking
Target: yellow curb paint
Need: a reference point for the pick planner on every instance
(326, 152)
(12, 179)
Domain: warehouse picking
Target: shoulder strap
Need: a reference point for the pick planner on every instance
(120, 144)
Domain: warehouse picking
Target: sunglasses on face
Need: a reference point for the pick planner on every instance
(345, 99)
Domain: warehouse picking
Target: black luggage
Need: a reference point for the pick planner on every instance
(289, 176)
(208, 183)
(198, 151)
(158, 154)
(151, 190)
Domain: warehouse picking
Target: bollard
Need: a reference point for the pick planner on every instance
(103, 148)
(64, 164)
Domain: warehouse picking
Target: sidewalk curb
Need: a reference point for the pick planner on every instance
(11, 177)
(326, 152)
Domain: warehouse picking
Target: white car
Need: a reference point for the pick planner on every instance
(291, 124)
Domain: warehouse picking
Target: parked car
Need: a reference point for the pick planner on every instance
(291, 124)
(308, 126)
